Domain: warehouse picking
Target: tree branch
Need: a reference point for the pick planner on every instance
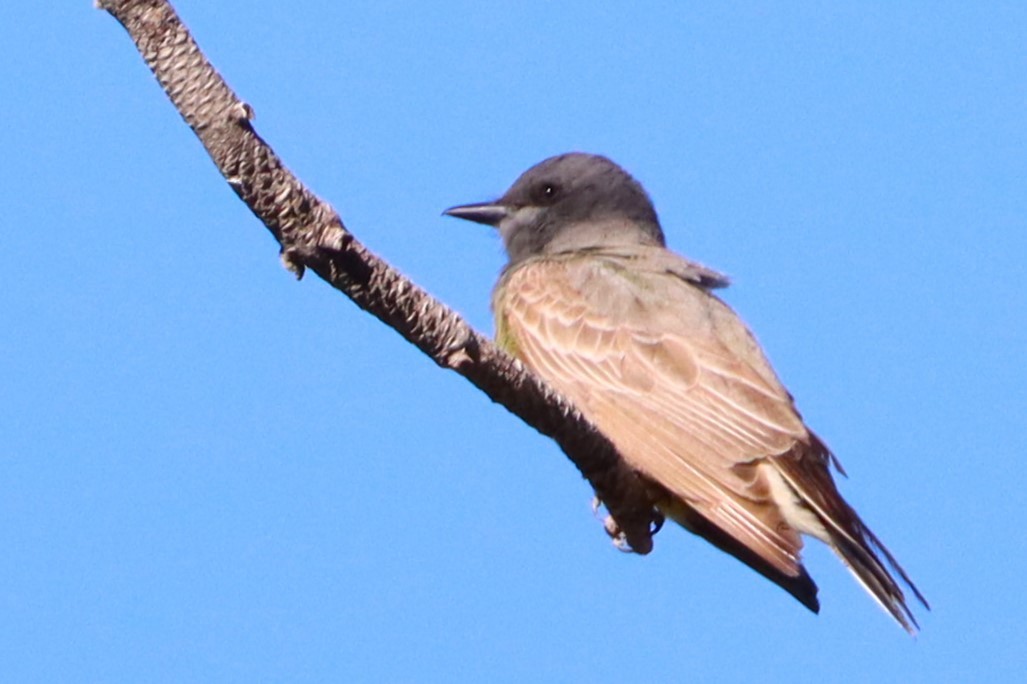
(312, 236)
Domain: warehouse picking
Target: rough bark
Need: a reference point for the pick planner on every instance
(312, 236)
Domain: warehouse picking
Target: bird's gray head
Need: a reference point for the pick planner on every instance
(568, 203)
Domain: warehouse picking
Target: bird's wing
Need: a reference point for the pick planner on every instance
(671, 375)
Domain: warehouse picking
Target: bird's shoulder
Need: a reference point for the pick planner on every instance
(629, 284)
(638, 260)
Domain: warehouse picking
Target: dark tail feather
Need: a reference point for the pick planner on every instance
(868, 569)
(859, 556)
(849, 536)
(801, 586)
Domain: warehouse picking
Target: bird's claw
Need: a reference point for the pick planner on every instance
(657, 522)
(620, 540)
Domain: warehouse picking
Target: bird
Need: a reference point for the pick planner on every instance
(593, 301)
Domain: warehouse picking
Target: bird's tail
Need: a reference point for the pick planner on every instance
(847, 534)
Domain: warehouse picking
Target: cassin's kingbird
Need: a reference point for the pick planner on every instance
(593, 302)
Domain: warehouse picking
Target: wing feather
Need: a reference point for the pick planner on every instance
(679, 404)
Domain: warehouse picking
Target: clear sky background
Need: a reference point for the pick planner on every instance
(211, 472)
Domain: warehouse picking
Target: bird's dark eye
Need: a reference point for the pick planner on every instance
(546, 193)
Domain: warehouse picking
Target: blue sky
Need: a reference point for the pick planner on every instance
(211, 472)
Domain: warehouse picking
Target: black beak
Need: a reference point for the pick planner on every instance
(488, 213)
